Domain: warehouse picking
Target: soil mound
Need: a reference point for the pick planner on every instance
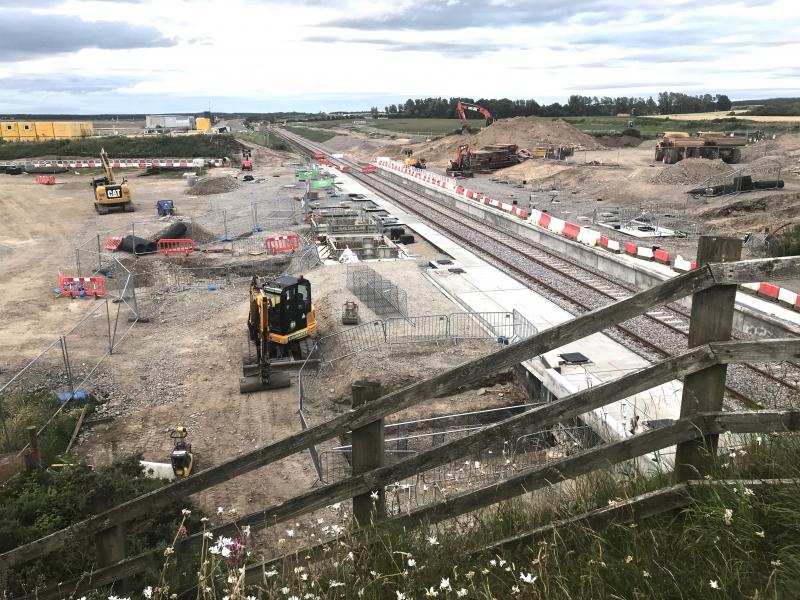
(213, 185)
(692, 171)
(525, 132)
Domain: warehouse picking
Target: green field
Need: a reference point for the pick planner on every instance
(315, 135)
(650, 127)
(411, 125)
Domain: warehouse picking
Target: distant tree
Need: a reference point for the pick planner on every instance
(723, 102)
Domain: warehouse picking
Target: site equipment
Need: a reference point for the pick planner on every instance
(674, 146)
(350, 313)
(108, 193)
(280, 321)
(418, 163)
(461, 107)
(181, 457)
(462, 165)
(247, 163)
(165, 208)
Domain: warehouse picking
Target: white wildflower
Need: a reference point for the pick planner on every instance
(351, 556)
(299, 569)
(432, 541)
(304, 576)
(220, 510)
(431, 592)
(713, 583)
(645, 573)
(461, 593)
(444, 584)
(527, 577)
(374, 495)
(186, 512)
(148, 592)
(493, 562)
(336, 506)
(728, 517)
(271, 573)
(501, 562)
(412, 562)
(628, 559)
(334, 584)
(208, 534)
(400, 596)
(320, 521)
(748, 492)
(290, 532)
(284, 591)
(515, 589)
(761, 534)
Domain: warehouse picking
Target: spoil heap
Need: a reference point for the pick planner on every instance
(692, 171)
(213, 185)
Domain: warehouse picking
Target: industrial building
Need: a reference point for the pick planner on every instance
(170, 122)
(33, 131)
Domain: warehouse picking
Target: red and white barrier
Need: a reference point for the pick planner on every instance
(663, 257)
(46, 179)
(683, 265)
(282, 243)
(134, 163)
(81, 286)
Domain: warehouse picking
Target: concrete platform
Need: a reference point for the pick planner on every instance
(483, 287)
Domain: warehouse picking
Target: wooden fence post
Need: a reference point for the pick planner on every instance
(711, 321)
(33, 459)
(367, 454)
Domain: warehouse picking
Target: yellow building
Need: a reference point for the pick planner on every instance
(202, 124)
(32, 131)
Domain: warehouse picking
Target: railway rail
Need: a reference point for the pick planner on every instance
(654, 335)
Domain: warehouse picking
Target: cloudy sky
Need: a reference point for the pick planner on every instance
(77, 56)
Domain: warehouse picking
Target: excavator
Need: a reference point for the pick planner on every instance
(418, 163)
(461, 107)
(107, 192)
(279, 323)
(462, 165)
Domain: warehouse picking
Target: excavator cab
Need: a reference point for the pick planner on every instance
(181, 457)
(462, 165)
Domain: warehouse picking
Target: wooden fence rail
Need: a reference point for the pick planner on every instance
(542, 416)
(702, 357)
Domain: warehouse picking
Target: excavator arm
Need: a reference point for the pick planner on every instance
(106, 166)
(462, 107)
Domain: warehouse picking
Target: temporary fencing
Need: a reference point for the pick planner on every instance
(378, 293)
(176, 246)
(506, 327)
(68, 371)
(282, 243)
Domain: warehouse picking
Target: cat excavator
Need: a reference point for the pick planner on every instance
(107, 192)
(461, 107)
(279, 325)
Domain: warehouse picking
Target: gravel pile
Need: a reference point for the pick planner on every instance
(692, 171)
(213, 185)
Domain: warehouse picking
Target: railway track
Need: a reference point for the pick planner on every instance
(654, 335)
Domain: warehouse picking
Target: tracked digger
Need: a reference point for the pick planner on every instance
(279, 325)
(107, 192)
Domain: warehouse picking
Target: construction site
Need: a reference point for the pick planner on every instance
(405, 331)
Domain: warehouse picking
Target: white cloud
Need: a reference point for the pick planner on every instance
(324, 54)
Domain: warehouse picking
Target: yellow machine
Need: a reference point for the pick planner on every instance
(280, 321)
(108, 193)
(419, 163)
(181, 457)
(674, 146)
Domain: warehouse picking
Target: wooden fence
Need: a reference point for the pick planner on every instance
(712, 286)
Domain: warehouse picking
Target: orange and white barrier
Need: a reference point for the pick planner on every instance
(46, 179)
(175, 246)
(769, 291)
(282, 243)
(113, 242)
(134, 163)
(683, 265)
(81, 286)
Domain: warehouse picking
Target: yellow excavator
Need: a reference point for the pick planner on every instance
(181, 457)
(419, 163)
(108, 193)
(279, 323)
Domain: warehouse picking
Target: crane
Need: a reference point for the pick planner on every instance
(107, 192)
(461, 107)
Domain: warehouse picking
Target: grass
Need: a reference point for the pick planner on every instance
(193, 146)
(650, 127)
(273, 141)
(731, 541)
(315, 135)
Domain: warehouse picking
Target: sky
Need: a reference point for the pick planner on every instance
(138, 56)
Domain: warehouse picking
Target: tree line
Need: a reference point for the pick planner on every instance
(577, 105)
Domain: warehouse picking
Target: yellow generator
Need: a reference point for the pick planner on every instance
(108, 193)
(279, 325)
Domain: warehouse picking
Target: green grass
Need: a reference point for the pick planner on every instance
(434, 126)
(315, 135)
(273, 141)
(651, 127)
(193, 146)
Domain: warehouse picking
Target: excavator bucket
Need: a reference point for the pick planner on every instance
(255, 383)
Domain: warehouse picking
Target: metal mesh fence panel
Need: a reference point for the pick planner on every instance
(379, 294)
(352, 340)
(417, 329)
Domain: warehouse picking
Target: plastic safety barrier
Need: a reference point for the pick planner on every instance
(662, 257)
(681, 264)
(768, 290)
(81, 286)
(644, 252)
(113, 242)
(175, 246)
(571, 230)
(556, 225)
(282, 243)
(369, 169)
(46, 179)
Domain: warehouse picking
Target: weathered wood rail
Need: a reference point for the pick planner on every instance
(703, 358)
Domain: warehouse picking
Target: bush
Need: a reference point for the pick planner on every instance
(43, 502)
(632, 132)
